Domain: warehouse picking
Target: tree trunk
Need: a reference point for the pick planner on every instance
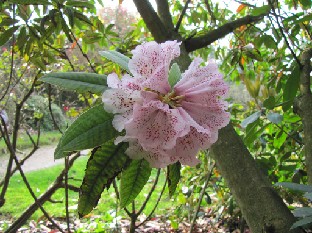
(261, 206)
(303, 106)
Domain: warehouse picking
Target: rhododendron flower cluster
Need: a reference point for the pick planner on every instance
(165, 124)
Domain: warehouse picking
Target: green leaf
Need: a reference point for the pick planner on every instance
(260, 10)
(279, 139)
(269, 103)
(30, 2)
(291, 87)
(77, 3)
(7, 34)
(77, 81)
(252, 118)
(302, 222)
(174, 74)
(274, 117)
(133, 180)
(302, 212)
(173, 177)
(118, 58)
(91, 129)
(105, 163)
(267, 40)
(295, 186)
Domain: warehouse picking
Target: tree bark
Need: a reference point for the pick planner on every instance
(303, 106)
(262, 207)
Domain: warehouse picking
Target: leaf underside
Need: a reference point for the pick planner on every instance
(105, 163)
(118, 58)
(77, 81)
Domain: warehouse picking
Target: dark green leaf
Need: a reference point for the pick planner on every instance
(105, 163)
(302, 222)
(269, 103)
(91, 129)
(118, 58)
(133, 180)
(7, 34)
(295, 186)
(77, 81)
(291, 87)
(174, 74)
(173, 177)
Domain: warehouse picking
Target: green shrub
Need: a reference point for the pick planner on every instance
(36, 110)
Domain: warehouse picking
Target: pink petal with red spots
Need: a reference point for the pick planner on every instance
(155, 125)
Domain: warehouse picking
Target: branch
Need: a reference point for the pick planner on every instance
(42, 199)
(152, 21)
(207, 39)
(303, 106)
(149, 194)
(182, 15)
(164, 13)
(210, 11)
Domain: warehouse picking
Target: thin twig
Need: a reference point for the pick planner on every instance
(50, 109)
(12, 152)
(150, 193)
(66, 192)
(210, 11)
(283, 35)
(12, 58)
(208, 176)
(182, 15)
(42, 199)
(157, 202)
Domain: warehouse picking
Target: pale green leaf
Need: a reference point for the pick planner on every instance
(174, 74)
(133, 180)
(118, 58)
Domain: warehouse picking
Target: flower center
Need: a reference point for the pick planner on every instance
(171, 99)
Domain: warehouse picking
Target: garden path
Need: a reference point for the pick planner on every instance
(42, 158)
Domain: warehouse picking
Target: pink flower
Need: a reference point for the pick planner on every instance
(162, 124)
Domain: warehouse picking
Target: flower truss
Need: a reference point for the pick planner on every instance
(166, 123)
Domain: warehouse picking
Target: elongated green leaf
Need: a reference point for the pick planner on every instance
(30, 2)
(302, 212)
(302, 222)
(7, 34)
(291, 87)
(252, 118)
(173, 177)
(103, 166)
(174, 74)
(118, 58)
(295, 186)
(77, 81)
(133, 180)
(91, 129)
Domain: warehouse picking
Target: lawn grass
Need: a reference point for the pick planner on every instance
(18, 197)
(23, 141)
